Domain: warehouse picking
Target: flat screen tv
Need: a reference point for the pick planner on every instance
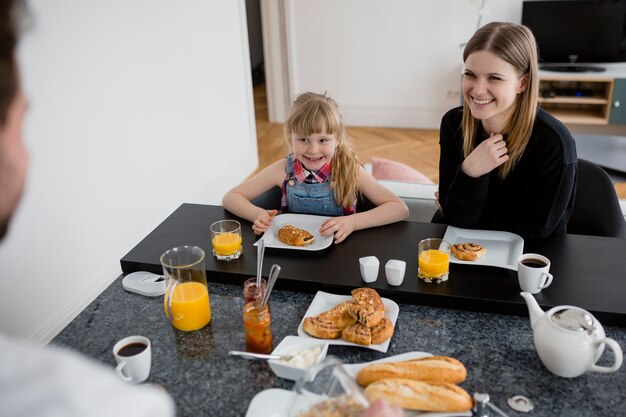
(572, 33)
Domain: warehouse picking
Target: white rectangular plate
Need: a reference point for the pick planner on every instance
(503, 248)
(307, 222)
(324, 301)
(275, 402)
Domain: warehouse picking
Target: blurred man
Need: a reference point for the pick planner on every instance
(49, 382)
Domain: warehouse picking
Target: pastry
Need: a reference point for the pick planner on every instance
(468, 251)
(294, 236)
(357, 333)
(432, 368)
(382, 331)
(368, 307)
(420, 395)
(329, 324)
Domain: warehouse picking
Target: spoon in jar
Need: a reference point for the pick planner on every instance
(260, 252)
(271, 280)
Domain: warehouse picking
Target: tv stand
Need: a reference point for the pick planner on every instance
(571, 68)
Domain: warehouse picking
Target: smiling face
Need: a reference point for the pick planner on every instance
(314, 150)
(490, 87)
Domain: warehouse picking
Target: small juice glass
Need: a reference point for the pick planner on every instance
(226, 240)
(433, 260)
(257, 326)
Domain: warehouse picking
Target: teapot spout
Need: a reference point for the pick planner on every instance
(534, 310)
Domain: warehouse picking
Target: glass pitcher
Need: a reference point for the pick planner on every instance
(186, 300)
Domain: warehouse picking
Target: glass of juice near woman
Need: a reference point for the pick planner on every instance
(257, 326)
(226, 240)
(433, 260)
(186, 300)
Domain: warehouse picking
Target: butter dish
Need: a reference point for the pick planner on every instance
(307, 353)
(144, 283)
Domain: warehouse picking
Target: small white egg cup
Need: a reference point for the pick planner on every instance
(369, 268)
(394, 270)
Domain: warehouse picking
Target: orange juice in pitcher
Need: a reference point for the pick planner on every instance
(186, 300)
(189, 306)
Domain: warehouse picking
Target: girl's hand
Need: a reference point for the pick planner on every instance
(341, 227)
(263, 221)
(381, 408)
(490, 154)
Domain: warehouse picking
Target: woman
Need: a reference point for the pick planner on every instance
(505, 164)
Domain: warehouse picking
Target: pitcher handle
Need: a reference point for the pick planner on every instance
(167, 301)
(617, 351)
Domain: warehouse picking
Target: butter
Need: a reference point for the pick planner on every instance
(304, 358)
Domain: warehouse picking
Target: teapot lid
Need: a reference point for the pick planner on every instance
(574, 319)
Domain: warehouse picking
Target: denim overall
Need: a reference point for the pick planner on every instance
(306, 198)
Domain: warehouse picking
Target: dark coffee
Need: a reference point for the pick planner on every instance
(534, 263)
(132, 349)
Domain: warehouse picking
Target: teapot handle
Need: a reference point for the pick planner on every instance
(617, 351)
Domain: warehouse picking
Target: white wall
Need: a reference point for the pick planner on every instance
(136, 106)
(387, 63)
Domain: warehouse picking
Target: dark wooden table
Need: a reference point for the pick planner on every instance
(589, 271)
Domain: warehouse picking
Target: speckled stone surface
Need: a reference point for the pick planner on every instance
(195, 368)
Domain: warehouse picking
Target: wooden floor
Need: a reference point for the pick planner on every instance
(418, 148)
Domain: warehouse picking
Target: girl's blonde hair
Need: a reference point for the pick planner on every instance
(516, 45)
(316, 113)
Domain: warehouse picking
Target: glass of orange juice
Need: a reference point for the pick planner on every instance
(433, 260)
(186, 300)
(226, 240)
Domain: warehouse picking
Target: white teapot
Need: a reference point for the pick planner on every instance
(569, 340)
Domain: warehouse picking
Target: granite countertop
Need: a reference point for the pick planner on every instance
(195, 368)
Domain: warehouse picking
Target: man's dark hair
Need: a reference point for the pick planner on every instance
(9, 10)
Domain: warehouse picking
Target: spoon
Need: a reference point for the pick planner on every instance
(260, 252)
(248, 355)
(270, 284)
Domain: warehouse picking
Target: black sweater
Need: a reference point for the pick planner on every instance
(536, 198)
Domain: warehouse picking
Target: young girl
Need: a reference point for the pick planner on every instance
(322, 175)
(505, 164)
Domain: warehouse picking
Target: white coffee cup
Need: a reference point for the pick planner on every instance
(532, 272)
(394, 270)
(133, 355)
(369, 268)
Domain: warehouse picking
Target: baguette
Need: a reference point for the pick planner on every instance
(420, 395)
(432, 368)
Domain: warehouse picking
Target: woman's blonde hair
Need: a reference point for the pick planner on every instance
(516, 45)
(316, 113)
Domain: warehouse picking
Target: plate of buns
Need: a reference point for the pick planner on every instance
(361, 319)
(484, 247)
(297, 232)
(422, 384)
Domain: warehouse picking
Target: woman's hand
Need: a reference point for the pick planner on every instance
(437, 203)
(341, 227)
(490, 154)
(263, 221)
(381, 408)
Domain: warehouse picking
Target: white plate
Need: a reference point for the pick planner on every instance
(307, 222)
(324, 301)
(275, 402)
(503, 248)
